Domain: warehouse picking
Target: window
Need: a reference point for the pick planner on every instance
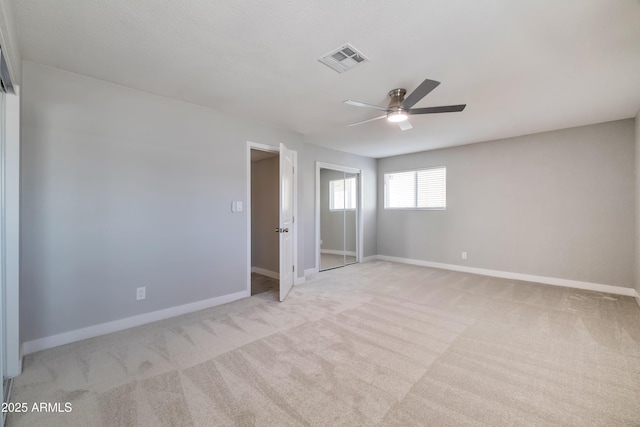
(417, 189)
(342, 194)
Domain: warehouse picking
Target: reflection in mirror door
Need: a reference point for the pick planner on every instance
(338, 218)
(350, 217)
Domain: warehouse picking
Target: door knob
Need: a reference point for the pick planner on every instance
(286, 230)
(278, 230)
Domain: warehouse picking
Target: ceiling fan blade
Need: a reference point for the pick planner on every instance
(405, 125)
(443, 109)
(419, 93)
(367, 121)
(364, 104)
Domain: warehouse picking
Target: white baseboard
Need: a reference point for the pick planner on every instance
(370, 258)
(310, 271)
(299, 281)
(618, 290)
(335, 252)
(265, 272)
(129, 322)
(638, 298)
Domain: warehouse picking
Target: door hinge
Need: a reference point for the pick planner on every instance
(293, 219)
(293, 170)
(294, 268)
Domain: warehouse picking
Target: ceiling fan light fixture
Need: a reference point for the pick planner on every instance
(397, 116)
(399, 108)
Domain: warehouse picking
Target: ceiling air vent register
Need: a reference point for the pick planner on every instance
(344, 58)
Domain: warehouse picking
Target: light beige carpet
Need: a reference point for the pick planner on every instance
(369, 344)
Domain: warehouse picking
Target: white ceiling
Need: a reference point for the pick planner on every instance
(521, 66)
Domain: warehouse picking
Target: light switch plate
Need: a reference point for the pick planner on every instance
(236, 206)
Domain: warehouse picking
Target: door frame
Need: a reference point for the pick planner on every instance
(359, 216)
(272, 149)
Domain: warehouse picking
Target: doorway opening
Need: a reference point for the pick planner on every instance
(338, 216)
(272, 231)
(265, 260)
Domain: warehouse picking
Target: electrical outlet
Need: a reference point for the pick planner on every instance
(141, 293)
(464, 255)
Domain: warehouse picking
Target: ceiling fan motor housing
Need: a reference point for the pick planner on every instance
(397, 98)
(395, 112)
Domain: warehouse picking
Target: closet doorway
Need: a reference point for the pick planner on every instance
(265, 260)
(272, 232)
(338, 216)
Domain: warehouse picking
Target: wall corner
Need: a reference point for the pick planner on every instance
(637, 205)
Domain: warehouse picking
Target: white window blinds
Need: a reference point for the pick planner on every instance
(417, 189)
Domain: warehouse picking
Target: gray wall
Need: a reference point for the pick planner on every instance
(122, 189)
(368, 166)
(557, 204)
(265, 193)
(338, 230)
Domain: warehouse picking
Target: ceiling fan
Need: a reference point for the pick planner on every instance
(399, 108)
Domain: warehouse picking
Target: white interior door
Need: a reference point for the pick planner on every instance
(286, 221)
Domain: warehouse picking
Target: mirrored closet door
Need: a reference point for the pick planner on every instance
(338, 217)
